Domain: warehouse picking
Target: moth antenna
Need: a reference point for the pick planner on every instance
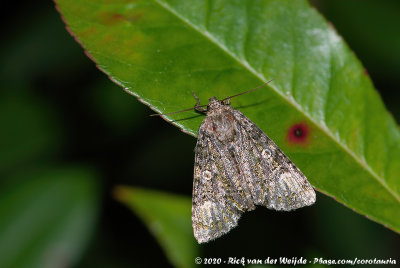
(178, 111)
(222, 100)
(263, 85)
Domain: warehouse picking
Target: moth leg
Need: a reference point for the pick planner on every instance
(197, 106)
(227, 101)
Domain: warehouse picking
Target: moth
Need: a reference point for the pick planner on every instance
(236, 167)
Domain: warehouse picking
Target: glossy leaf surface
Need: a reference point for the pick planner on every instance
(47, 217)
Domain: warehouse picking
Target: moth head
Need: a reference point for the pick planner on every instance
(214, 103)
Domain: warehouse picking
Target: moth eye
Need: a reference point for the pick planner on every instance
(266, 153)
(207, 175)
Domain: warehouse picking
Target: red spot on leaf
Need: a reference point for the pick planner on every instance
(298, 134)
(365, 72)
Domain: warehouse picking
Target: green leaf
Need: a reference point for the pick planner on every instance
(168, 218)
(47, 217)
(161, 51)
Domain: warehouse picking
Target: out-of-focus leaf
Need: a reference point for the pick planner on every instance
(28, 129)
(162, 50)
(47, 217)
(168, 218)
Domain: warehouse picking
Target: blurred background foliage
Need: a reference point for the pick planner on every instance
(69, 136)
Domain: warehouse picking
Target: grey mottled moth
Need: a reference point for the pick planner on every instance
(237, 167)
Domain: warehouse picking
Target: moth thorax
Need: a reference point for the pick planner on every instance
(223, 127)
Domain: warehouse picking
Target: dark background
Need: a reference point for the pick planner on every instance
(84, 118)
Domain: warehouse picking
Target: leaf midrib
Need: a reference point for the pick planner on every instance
(260, 76)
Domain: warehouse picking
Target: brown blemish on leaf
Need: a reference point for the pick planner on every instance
(88, 32)
(298, 134)
(110, 19)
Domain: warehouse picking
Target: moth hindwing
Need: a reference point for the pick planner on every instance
(237, 167)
